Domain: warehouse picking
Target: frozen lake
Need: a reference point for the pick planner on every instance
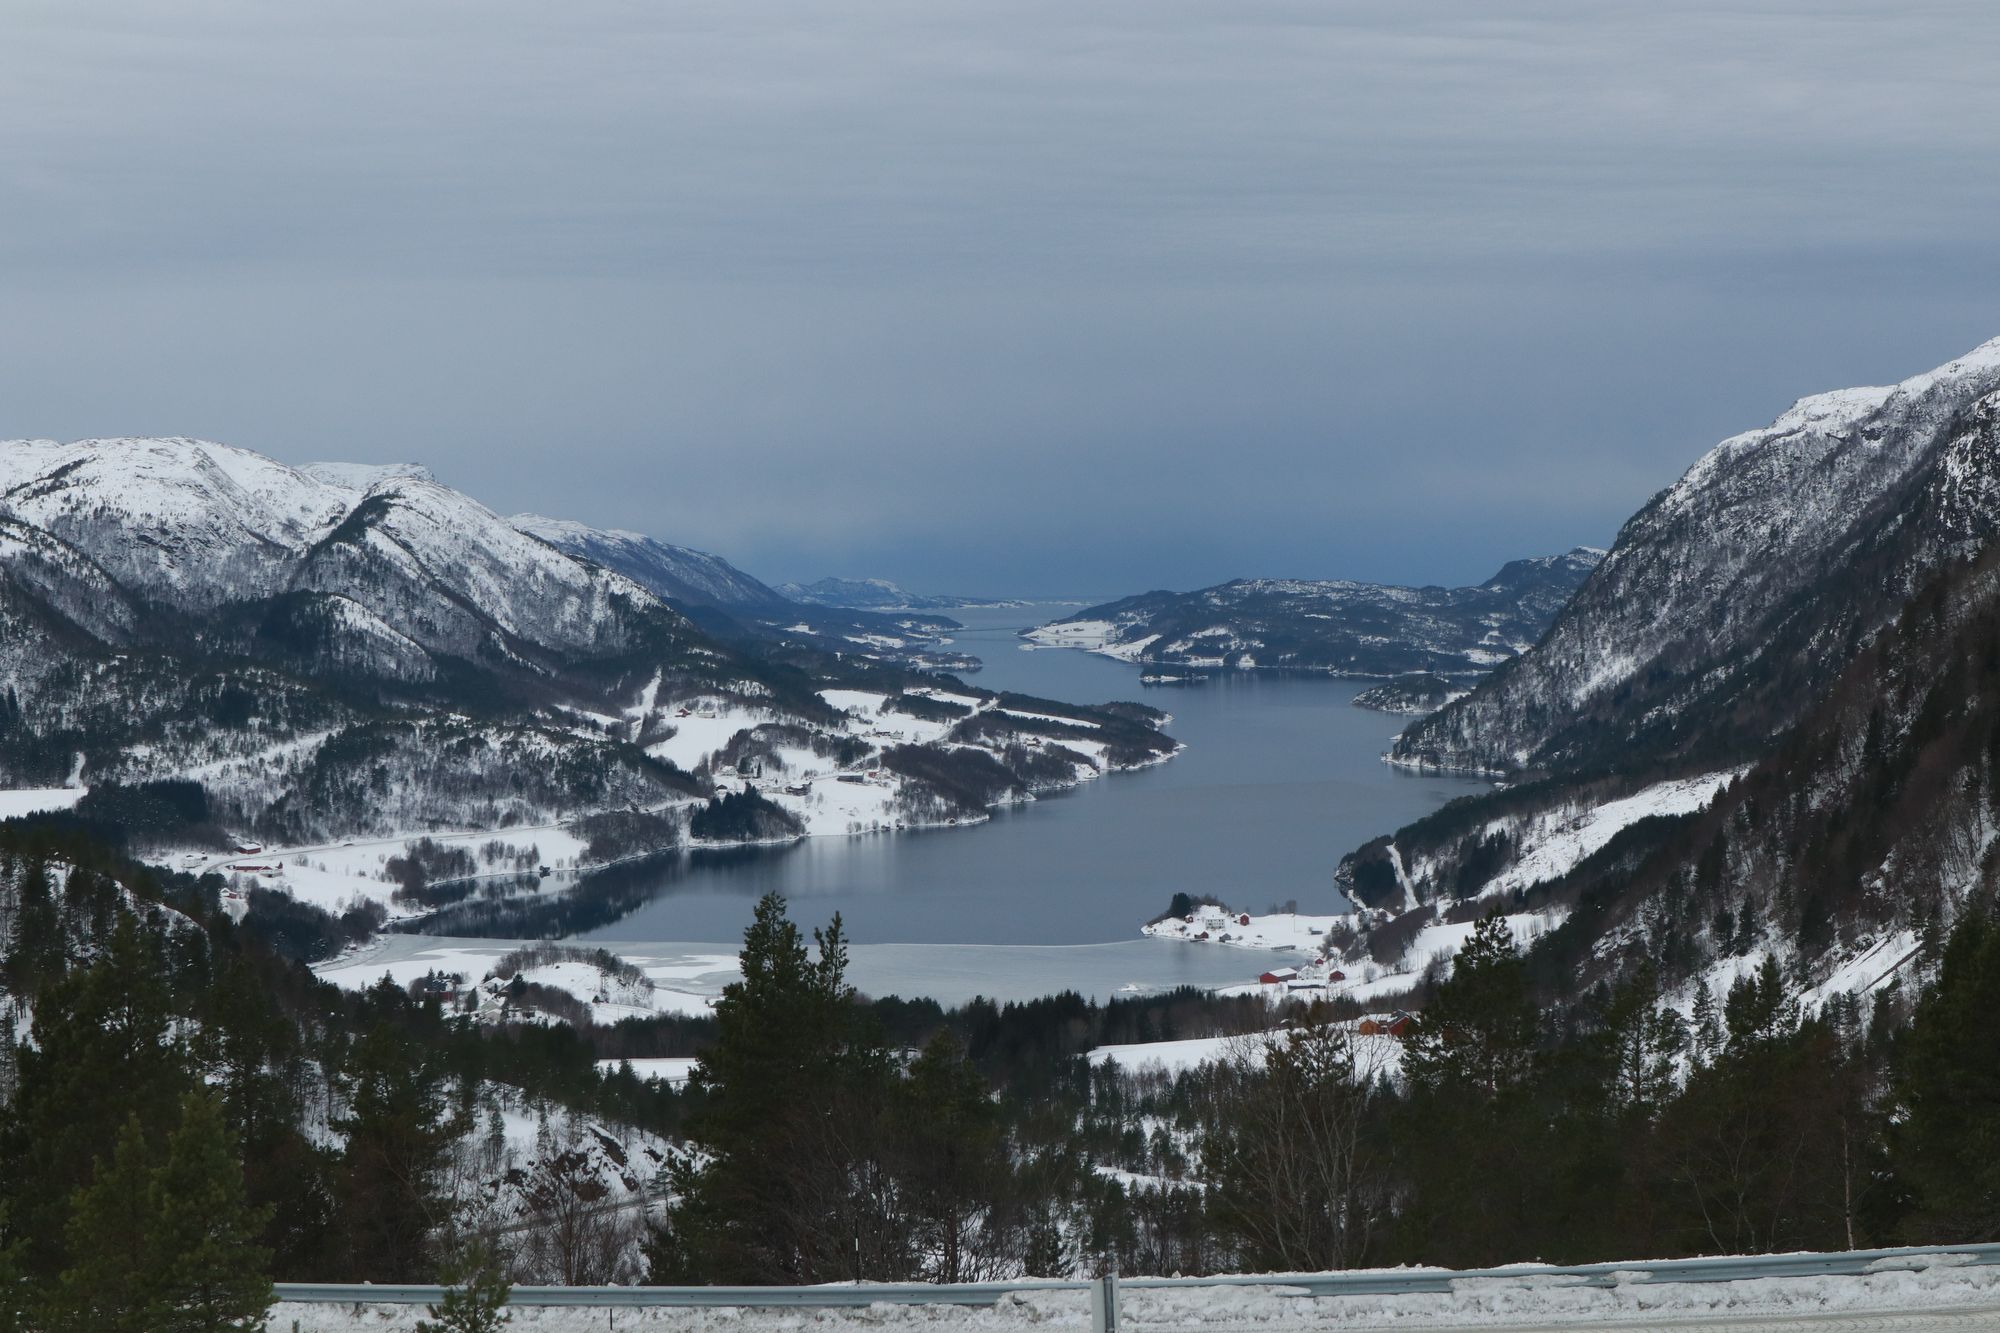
(948, 973)
(1281, 776)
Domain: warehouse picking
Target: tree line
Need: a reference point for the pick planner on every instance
(174, 1061)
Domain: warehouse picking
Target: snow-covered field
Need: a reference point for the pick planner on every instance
(336, 876)
(1095, 636)
(36, 800)
(1942, 1296)
(673, 1070)
(679, 983)
(1286, 931)
(1176, 1057)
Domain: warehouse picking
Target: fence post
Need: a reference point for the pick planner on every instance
(1104, 1303)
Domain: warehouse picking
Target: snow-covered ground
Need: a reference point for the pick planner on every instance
(1291, 932)
(1176, 1057)
(680, 983)
(673, 1070)
(1554, 842)
(1096, 636)
(37, 800)
(1941, 1296)
(336, 876)
(1299, 942)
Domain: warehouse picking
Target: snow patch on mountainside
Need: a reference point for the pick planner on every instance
(1554, 842)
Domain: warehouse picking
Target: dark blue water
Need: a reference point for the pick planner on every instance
(1280, 778)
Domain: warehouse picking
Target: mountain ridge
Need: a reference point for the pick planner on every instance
(1767, 729)
(1726, 561)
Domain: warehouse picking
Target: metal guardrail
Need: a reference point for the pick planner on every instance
(1368, 1282)
(821, 1297)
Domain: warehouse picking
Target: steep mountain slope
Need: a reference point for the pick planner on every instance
(1845, 853)
(732, 605)
(1347, 628)
(1735, 596)
(218, 524)
(677, 572)
(1768, 728)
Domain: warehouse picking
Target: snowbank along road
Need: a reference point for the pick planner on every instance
(1880, 1290)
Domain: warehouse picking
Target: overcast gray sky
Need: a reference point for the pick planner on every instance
(1032, 296)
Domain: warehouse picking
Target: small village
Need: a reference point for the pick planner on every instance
(1283, 932)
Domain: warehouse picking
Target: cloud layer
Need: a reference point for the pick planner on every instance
(1011, 297)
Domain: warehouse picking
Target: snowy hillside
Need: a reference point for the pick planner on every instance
(677, 572)
(1338, 626)
(732, 604)
(349, 650)
(1760, 732)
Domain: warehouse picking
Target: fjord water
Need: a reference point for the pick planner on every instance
(1281, 776)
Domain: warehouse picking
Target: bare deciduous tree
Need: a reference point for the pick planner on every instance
(1286, 1148)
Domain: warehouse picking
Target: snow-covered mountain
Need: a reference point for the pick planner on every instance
(1736, 595)
(1765, 728)
(731, 604)
(677, 572)
(386, 555)
(339, 649)
(878, 595)
(1334, 625)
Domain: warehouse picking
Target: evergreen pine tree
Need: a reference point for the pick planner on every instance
(1707, 1024)
(112, 1285)
(163, 1241)
(794, 1126)
(1643, 1040)
(1756, 1008)
(1478, 1032)
(104, 1050)
(397, 1136)
(1945, 1145)
(475, 1299)
(951, 1156)
(212, 1274)
(15, 1289)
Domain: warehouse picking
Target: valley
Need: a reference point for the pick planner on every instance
(1144, 667)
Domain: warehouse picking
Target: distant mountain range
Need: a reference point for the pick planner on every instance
(880, 595)
(1338, 626)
